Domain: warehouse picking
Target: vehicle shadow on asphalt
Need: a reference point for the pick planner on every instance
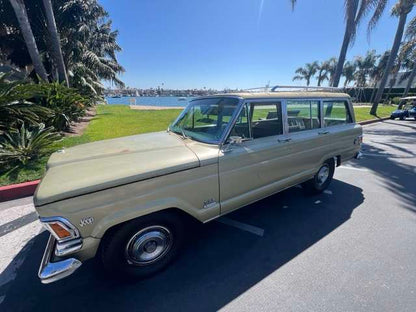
(218, 263)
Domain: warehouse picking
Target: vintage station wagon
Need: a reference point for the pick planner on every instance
(125, 199)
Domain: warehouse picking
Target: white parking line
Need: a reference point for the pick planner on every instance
(242, 226)
(13, 213)
(375, 155)
(352, 168)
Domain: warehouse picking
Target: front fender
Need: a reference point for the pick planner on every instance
(133, 212)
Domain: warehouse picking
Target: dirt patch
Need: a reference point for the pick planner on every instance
(79, 127)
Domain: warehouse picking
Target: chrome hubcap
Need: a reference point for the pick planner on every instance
(148, 245)
(322, 175)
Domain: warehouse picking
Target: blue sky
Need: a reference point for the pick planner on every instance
(231, 43)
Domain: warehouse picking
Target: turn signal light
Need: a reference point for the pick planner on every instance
(59, 230)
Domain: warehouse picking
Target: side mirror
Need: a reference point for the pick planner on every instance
(232, 140)
(235, 140)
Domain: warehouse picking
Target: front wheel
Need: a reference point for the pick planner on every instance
(322, 178)
(402, 117)
(143, 247)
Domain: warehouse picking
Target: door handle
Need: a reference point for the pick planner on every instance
(284, 140)
(323, 132)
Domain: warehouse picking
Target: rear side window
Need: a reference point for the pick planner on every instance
(336, 113)
(303, 115)
(266, 119)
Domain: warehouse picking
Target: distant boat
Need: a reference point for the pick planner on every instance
(116, 96)
(182, 99)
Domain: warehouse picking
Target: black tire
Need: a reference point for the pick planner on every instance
(401, 117)
(391, 117)
(119, 257)
(315, 185)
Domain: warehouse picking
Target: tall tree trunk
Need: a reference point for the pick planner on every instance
(390, 62)
(374, 91)
(349, 29)
(341, 58)
(21, 14)
(56, 51)
(410, 81)
(393, 80)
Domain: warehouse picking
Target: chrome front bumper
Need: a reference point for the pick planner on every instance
(53, 271)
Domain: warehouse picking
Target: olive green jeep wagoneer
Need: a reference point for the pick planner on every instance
(125, 199)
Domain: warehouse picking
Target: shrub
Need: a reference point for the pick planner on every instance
(68, 105)
(16, 106)
(25, 145)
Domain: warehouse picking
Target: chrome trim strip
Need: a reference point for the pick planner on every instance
(285, 119)
(232, 122)
(53, 271)
(68, 247)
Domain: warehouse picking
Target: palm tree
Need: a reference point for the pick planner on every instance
(408, 55)
(377, 71)
(307, 72)
(332, 66)
(401, 9)
(23, 20)
(55, 42)
(322, 73)
(90, 54)
(349, 72)
(87, 41)
(355, 10)
(365, 66)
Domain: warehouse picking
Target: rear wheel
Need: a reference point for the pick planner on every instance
(402, 117)
(144, 246)
(322, 178)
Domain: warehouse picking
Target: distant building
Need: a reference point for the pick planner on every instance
(400, 83)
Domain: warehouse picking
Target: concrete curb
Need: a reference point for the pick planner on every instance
(20, 190)
(367, 122)
(15, 191)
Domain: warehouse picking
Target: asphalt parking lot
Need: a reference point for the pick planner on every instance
(352, 248)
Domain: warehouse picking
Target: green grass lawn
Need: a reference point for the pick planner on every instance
(363, 113)
(119, 120)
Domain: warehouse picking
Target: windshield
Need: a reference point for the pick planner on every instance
(407, 104)
(206, 119)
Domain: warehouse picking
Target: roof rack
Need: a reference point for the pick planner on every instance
(307, 88)
(258, 89)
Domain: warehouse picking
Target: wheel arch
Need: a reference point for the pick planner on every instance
(105, 231)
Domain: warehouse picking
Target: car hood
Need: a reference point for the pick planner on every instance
(398, 111)
(95, 166)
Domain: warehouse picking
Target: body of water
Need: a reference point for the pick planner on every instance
(150, 101)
